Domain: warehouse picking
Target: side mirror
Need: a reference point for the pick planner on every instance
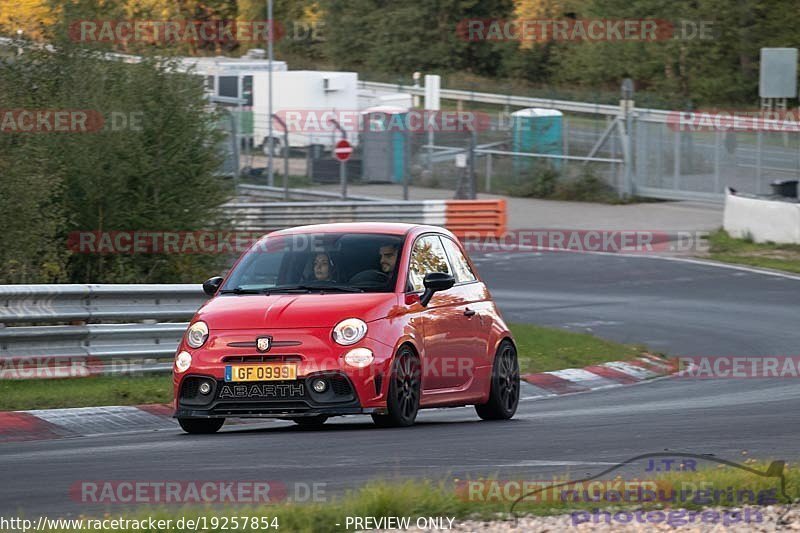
(435, 282)
(211, 285)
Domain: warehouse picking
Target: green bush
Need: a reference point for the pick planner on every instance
(152, 167)
(538, 183)
(586, 188)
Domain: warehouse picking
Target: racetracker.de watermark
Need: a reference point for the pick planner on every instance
(583, 30)
(522, 240)
(22, 121)
(161, 242)
(738, 367)
(589, 240)
(411, 121)
(156, 492)
(175, 31)
(613, 491)
(734, 120)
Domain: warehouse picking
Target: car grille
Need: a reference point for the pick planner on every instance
(341, 386)
(265, 408)
(191, 388)
(262, 359)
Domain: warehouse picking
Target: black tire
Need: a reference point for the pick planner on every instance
(201, 426)
(504, 393)
(405, 387)
(310, 422)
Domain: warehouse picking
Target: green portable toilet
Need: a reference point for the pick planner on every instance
(536, 131)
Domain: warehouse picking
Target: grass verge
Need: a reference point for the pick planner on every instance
(84, 392)
(415, 499)
(723, 247)
(540, 349)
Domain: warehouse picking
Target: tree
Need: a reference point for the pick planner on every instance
(413, 35)
(152, 166)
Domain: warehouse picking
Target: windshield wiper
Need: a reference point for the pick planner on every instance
(292, 288)
(321, 287)
(242, 290)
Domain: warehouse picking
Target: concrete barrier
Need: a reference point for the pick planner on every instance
(761, 219)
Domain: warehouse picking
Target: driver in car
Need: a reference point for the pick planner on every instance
(387, 257)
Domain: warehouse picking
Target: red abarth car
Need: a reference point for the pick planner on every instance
(336, 319)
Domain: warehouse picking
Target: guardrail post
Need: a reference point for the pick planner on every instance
(759, 149)
(676, 164)
(488, 172)
(472, 185)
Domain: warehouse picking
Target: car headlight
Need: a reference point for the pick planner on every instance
(197, 334)
(349, 331)
(359, 357)
(183, 361)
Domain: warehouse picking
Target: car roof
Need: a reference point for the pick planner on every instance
(386, 228)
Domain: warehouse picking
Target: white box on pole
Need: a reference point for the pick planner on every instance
(433, 85)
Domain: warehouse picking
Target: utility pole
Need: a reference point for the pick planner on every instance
(285, 157)
(342, 160)
(271, 36)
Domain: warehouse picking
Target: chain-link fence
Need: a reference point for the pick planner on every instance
(647, 153)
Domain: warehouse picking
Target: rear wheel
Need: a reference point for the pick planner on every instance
(404, 391)
(504, 393)
(310, 422)
(201, 425)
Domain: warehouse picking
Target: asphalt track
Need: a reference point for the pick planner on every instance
(673, 306)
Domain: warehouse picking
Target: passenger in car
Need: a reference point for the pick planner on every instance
(323, 267)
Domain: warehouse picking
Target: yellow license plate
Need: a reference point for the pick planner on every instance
(272, 372)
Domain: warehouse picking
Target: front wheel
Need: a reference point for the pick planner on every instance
(504, 392)
(404, 391)
(201, 426)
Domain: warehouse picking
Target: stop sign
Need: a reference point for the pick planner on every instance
(343, 150)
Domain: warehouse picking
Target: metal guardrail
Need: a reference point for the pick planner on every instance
(86, 303)
(265, 216)
(459, 216)
(276, 193)
(652, 115)
(28, 351)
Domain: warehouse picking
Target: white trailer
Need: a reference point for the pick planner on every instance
(317, 96)
(230, 79)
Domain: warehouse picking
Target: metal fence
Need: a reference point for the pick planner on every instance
(662, 159)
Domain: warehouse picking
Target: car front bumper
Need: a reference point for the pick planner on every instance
(351, 391)
(279, 399)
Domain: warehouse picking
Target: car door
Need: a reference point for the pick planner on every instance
(476, 307)
(448, 355)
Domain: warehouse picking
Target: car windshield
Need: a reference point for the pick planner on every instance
(318, 262)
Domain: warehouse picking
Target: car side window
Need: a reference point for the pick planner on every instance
(427, 256)
(463, 272)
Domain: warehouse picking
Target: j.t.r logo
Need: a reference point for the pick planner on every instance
(263, 343)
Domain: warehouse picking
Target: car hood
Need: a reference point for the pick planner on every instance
(282, 311)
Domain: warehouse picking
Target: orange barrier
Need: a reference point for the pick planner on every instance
(484, 218)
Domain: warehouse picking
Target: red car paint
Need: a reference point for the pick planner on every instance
(455, 346)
